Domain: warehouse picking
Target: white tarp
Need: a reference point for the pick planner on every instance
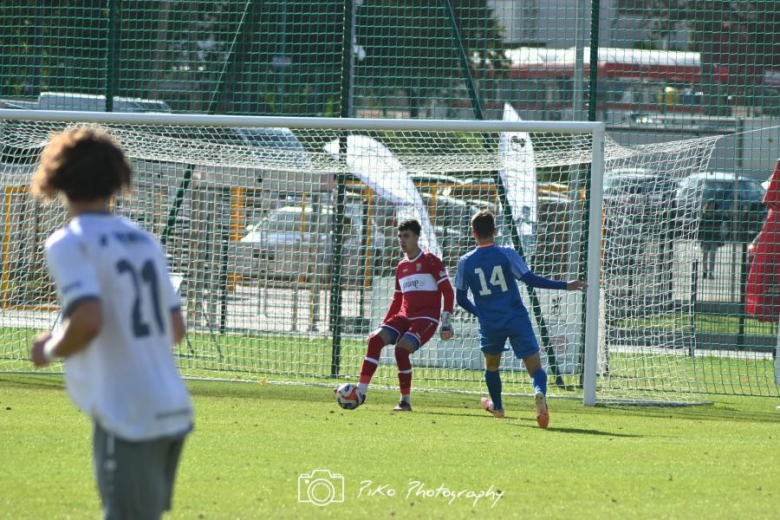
(375, 165)
(518, 173)
(560, 310)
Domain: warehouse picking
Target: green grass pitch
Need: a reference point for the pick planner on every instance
(252, 442)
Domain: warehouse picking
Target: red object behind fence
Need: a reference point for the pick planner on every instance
(762, 299)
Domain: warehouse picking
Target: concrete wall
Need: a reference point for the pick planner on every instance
(554, 22)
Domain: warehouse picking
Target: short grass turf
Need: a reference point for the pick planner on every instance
(252, 443)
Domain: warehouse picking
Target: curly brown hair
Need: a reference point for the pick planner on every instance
(83, 163)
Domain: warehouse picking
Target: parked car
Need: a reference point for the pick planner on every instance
(296, 239)
(86, 103)
(642, 194)
(741, 211)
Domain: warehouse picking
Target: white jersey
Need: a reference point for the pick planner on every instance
(126, 379)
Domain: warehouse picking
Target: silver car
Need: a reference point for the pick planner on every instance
(296, 241)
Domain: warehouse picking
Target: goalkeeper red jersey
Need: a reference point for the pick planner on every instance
(420, 283)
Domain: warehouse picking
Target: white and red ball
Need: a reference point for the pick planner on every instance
(347, 396)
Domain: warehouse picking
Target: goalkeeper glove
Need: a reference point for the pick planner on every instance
(446, 323)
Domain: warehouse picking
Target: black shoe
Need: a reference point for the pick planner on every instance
(403, 406)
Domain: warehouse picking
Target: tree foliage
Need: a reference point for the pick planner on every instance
(278, 56)
(739, 34)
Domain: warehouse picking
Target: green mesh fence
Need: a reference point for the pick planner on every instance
(654, 71)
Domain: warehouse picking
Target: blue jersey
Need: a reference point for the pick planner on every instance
(490, 272)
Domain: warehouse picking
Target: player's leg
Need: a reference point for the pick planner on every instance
(526, 347)
(494, 404)
(406, 346)
(376, 342)
(132, 477)
(172, 456)
(492, 348)
(533, 364)
(419, 333)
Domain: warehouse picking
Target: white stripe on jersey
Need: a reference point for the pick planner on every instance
(424, 318)
(418, 282)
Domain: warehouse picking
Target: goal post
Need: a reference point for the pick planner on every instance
(593, 290)
(267, 221)
(305, 123)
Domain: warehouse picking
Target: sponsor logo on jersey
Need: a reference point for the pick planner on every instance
(409, 284)
(418, 282)
(130, 237)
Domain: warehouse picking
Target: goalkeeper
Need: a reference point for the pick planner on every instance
(420, 282)
(489, 271)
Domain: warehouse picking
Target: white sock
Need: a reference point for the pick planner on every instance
(362, 388)
(406, 398)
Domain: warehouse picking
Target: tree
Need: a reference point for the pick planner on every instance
(280, 57)
(52, 47)
(409, 46)
(741, 38)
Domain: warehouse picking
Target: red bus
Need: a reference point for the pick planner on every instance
(540, 83)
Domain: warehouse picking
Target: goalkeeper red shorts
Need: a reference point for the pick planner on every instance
(419, 330)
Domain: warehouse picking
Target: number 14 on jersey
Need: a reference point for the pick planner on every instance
(496, 280)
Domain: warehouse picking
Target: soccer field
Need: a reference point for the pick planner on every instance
(448, 459)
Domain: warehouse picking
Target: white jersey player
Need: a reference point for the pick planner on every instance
(121, 316)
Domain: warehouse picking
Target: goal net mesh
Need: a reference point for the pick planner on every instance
(268, 231)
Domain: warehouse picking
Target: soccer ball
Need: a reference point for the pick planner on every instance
(347, 396)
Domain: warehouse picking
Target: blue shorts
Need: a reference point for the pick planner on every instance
(523, 341)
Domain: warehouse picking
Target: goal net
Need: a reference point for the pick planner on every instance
(281, 237)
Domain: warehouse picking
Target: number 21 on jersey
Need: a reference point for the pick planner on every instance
(149, 277)
(496, 280)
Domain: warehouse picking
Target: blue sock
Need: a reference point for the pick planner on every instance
(493, 380)
(539, 380)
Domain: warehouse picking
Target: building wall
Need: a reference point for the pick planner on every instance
(553, 23)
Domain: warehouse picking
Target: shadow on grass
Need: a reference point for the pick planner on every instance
(695, 413)
(581, 431)
(477, 415)
(42, 380)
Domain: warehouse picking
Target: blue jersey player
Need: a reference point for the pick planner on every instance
(489, 272)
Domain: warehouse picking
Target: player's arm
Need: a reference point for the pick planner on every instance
(534, 280)
(521, 271)
(447, 330)
(78, 331)
(464, 302)
(179, 328)
(462, 290)
(439, 272)
(77, 283)
(173, 302)
(448, 294)
(395, 305)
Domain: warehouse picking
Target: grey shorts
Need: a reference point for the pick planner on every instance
(135, 479)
